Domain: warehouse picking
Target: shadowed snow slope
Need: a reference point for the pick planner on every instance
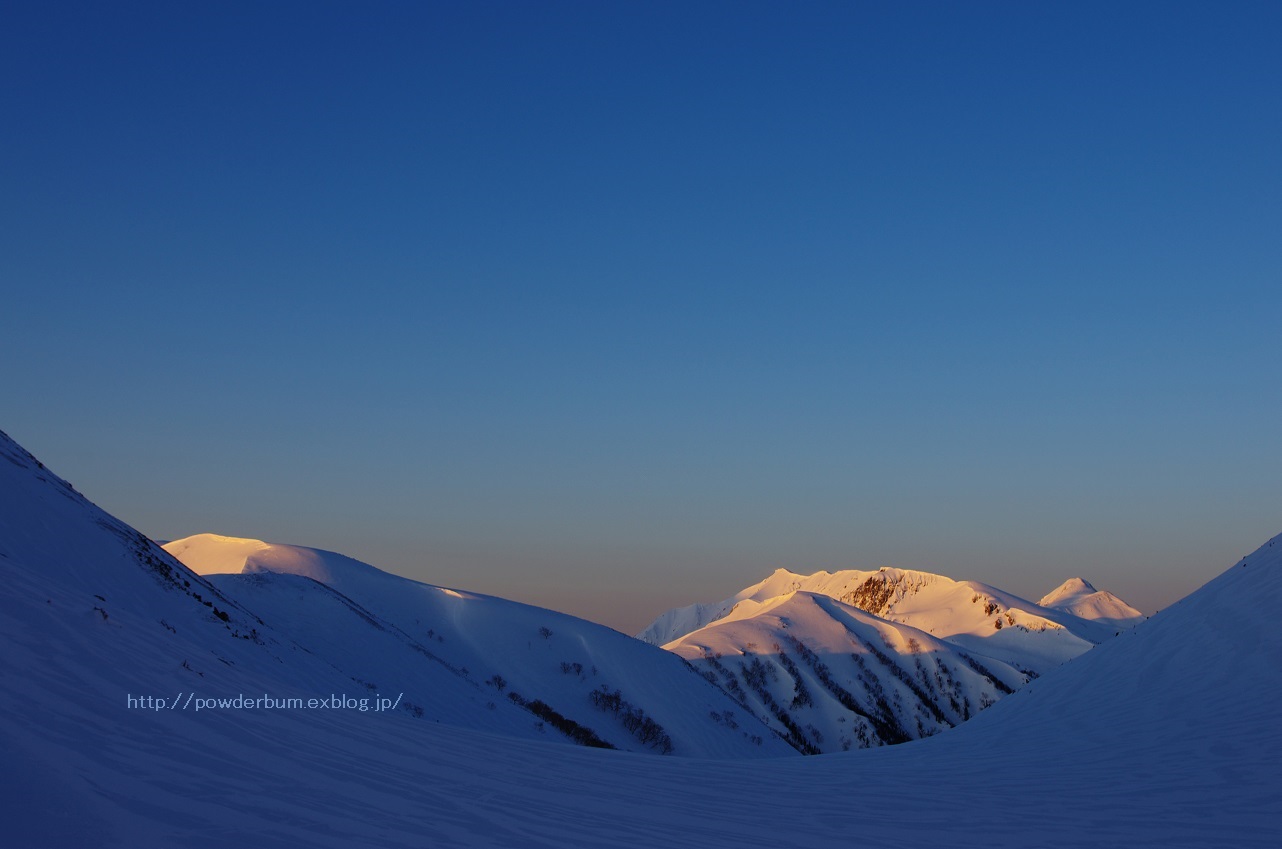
(514, 653)
(1166, 736)
(830, 677)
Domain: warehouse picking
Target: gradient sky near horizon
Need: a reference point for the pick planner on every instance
(613, 307)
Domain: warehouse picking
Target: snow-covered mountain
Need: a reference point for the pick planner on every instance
(1078, 597)
(595, 684)
(854, 659)
(1165, 736)
(977, 617)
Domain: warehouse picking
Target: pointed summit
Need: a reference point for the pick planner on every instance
(1080, 598)
(1071, 588)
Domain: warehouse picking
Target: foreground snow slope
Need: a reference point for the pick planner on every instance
(1166, 736)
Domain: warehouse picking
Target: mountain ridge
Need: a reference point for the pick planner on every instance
(829, 677)
(517, 653)
(968, 613)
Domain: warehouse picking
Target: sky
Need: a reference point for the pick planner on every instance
(614, 307)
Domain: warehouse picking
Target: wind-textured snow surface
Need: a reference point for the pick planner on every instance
(1166, 736)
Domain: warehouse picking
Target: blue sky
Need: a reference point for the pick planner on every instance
(614, 307)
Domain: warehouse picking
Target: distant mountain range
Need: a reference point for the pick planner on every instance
(853, 659)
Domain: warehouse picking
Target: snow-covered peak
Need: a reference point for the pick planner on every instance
(1080, 598)
(215, 554)
(677, 623)
(1071, 588)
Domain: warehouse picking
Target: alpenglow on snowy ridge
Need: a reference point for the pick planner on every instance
(854, 659)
